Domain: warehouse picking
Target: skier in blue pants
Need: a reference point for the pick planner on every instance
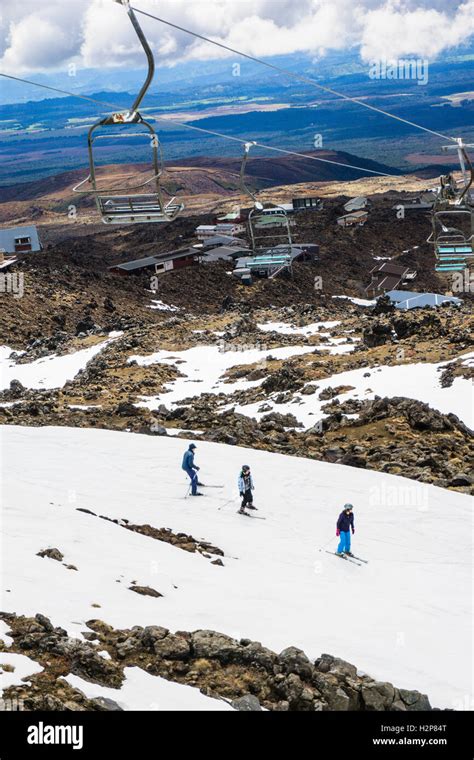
(191, 469)
(345, 524)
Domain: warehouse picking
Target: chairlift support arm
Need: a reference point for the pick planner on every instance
(148, 52)
(465, 162)
(245, 189)
(118, 205)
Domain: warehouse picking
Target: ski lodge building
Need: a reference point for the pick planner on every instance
(20, 240)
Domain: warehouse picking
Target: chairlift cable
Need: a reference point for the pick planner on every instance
(294, 75)
(184, 125)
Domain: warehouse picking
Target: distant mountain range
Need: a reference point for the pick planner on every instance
(46, 137)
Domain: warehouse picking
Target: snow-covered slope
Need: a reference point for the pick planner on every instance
(405, 617)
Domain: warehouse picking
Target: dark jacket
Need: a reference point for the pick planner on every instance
(345, 522)
(188, 460)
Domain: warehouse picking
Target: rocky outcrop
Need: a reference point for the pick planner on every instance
(288, 378)
(419, 416)
(393, 325)
(145, 591)
(243, 672)
(181, 540)
(52, 553)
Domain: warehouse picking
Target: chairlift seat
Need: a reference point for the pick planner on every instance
(452, 258)
(464, 250)
(135, 209)
(270, 261)
(460, 267)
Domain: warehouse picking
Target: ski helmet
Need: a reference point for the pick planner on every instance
(348, 507)
(245, 468)
(192, 446)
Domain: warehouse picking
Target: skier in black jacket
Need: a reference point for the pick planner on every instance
(345, 524)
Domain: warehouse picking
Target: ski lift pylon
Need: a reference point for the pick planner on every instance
(264, 215)
(453, 216)
(134, 203)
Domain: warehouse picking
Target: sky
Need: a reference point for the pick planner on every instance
(51, 35)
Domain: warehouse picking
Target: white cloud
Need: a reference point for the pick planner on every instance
(97, 33)
(37, 41)
(390, 33)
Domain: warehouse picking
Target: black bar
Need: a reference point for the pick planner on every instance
(110, 734)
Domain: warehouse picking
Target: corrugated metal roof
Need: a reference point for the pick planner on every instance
(7, 263)
(149, 261)
(356, 203)
(217, 240)
(224, 252)
(355, 214)
(128, 266)
(405, 299)
(389, 268)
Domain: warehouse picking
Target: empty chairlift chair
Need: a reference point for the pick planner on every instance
(134, 201)
(268, 227)
(454, 245)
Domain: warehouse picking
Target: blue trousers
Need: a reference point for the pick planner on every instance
(194, 479)
(345, 542)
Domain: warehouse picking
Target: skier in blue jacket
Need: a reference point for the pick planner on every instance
(191, 469)
(345, 524)
(245, 485)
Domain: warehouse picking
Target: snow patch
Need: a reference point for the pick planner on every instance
(7, 640)
(203, 368)
(285, 328)
(142, 691)
(357, 301)
(50, 371)
(84, 407)
(23, 667)
(161, 306)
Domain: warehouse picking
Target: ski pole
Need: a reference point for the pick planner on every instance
(226, 503)
(327, 544)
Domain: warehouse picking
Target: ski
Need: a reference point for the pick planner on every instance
(365, 561)
(252, 517)
(204, 485)
(347, 559)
